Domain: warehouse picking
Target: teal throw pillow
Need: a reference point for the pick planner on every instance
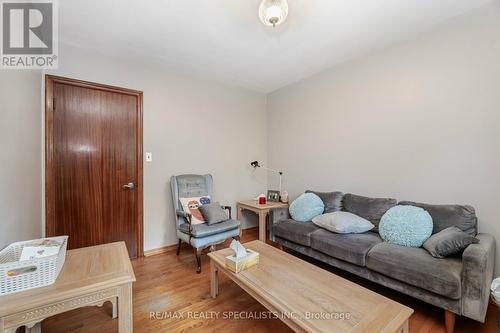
(306, 207)
(406, 225)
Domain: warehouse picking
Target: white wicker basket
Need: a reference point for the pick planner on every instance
(31, 273)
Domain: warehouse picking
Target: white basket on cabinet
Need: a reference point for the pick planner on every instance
(30, 273)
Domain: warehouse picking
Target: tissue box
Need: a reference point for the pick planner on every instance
(238, 265)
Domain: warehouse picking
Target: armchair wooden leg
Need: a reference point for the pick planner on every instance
(197, 253)
(179, 247)
(449, 320)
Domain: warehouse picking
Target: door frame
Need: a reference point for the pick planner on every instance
(50, 80)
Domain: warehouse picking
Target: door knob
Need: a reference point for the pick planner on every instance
(129, 186)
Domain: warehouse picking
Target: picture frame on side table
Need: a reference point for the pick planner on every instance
(273, 196)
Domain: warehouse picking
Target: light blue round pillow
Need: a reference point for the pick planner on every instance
(306, 207)
(406, 225)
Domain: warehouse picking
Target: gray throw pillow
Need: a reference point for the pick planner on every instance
(448, 241)
(332, 200)
(213, 213)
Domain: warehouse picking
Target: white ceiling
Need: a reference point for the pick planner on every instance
(225, 41)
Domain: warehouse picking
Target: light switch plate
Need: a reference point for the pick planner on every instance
(149, 156)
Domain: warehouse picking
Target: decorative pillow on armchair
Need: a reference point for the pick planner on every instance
(191, 205)
(213, 213)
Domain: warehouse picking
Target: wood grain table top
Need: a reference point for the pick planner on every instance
(314, 295)
(85, 270)
(268, 205)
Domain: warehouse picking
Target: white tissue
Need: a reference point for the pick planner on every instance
(239, 250)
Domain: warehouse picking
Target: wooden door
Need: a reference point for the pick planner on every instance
(93, 163)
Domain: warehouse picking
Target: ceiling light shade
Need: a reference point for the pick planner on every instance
(273, 12)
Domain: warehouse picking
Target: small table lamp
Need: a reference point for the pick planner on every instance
(256, 164)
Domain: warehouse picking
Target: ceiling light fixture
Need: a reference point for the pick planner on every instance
(273, 12)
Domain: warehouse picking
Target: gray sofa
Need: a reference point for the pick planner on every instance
(459, 284)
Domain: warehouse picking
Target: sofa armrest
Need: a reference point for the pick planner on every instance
(478, 262)
(276, 215)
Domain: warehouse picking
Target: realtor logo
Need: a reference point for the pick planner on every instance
(29, 34)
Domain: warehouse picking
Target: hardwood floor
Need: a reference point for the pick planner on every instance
(167, 284)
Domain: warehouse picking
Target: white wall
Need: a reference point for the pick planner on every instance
(191, 126)
(416, 121)
(20, 151)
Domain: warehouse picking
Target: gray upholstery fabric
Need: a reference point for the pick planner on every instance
(213, 213)
(371, 209)
(204, 230)
(419, 274)
(417, 267)
(188, 186)
(275, 216)
(297, 232)
(448, 241)
(204, 242)
(332, 200)
(444, 216)
(478, 264)
(349, 247)
(421, 294)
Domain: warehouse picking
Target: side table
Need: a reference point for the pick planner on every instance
(261, 210)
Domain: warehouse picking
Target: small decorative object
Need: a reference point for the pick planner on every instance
(406, 226)
(255, 165)
(37, 270)
(242, 258)
(284, 197)
(262, 199)
(273, 12)
(273, 196)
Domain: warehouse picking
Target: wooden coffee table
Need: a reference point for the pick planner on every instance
(308, 298)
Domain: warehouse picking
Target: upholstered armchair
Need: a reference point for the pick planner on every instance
(199, 236)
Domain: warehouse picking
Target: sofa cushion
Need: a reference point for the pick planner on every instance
(418, 268)
(348, 247)
(204, 230)
(297, 232)
(444, 216)
(332, 200)
(371, 209)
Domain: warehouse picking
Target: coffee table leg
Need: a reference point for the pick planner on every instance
(125, 316)
(214, 280)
